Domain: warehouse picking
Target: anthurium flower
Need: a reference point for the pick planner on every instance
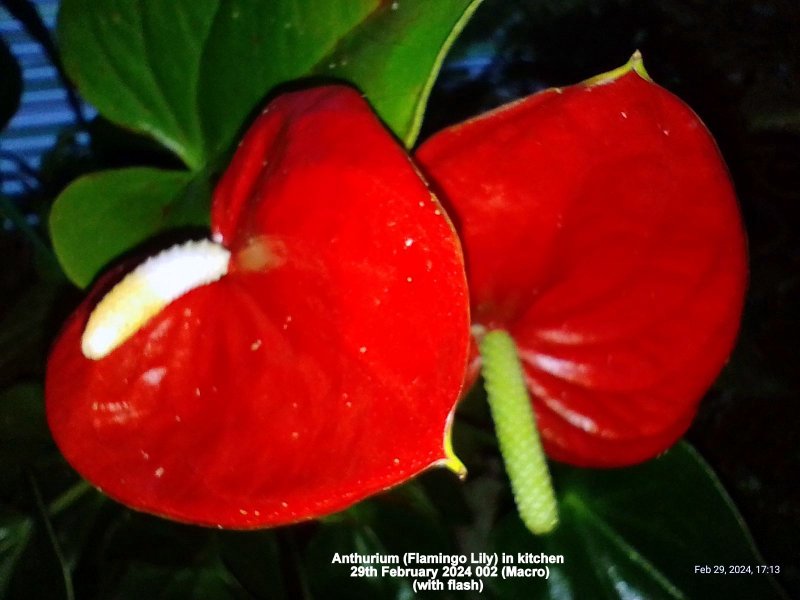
(307, 356)
(601, 232)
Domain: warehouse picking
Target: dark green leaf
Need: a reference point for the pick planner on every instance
(15, 532)
(254, 46)
(143, 581)
(24, 330)
(639, 533)
(209, 582)
(138, 62)
(10, 85)
(252, 557)
(159, 583)
(101, 216)
(57, 540)
(333, 580)
(41, 571)
(74, 515)
(395, 56)
(24, 437)
(390, 50)
(43, 258)
(403, 520)
(138, 537)
(190, 72)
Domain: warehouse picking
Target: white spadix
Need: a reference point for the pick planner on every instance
(147, 289)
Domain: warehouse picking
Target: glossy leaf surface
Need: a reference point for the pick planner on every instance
(102, 215)
(321, 369)
(601, 229)
(638, 533)
(397, 74)
(139, 64)
(190, 72)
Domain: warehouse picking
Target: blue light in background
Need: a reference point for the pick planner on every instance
(44, 109)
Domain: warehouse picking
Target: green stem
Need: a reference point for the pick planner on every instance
(517, 434)
(66, 499)
(52, 538)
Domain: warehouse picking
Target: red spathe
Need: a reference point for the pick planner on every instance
(601, 230)
(321, 369)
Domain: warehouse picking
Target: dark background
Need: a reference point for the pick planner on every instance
(737, 64)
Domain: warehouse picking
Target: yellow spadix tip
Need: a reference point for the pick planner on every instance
(146, 290)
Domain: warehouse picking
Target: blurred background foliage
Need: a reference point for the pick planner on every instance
(736, 62)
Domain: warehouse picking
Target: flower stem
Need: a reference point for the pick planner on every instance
(515, 424)
(68, 498)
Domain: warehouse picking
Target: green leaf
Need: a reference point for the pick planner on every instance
(40, 571)
(74, 515)
(26, 328)
(253, 558)
(254, 46)
(333, 580)
(158, 583)
(101, 216)
(402, 520)
(639, 532)
(390, 50)
(10, 85)
(138, 62)
(44, 260)
(397, 73)
(24, 436)
(15, 532)
(138, 537)
(210, 583)
(189, 72)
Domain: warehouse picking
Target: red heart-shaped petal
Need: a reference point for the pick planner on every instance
(322, 368)
(601, 230)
